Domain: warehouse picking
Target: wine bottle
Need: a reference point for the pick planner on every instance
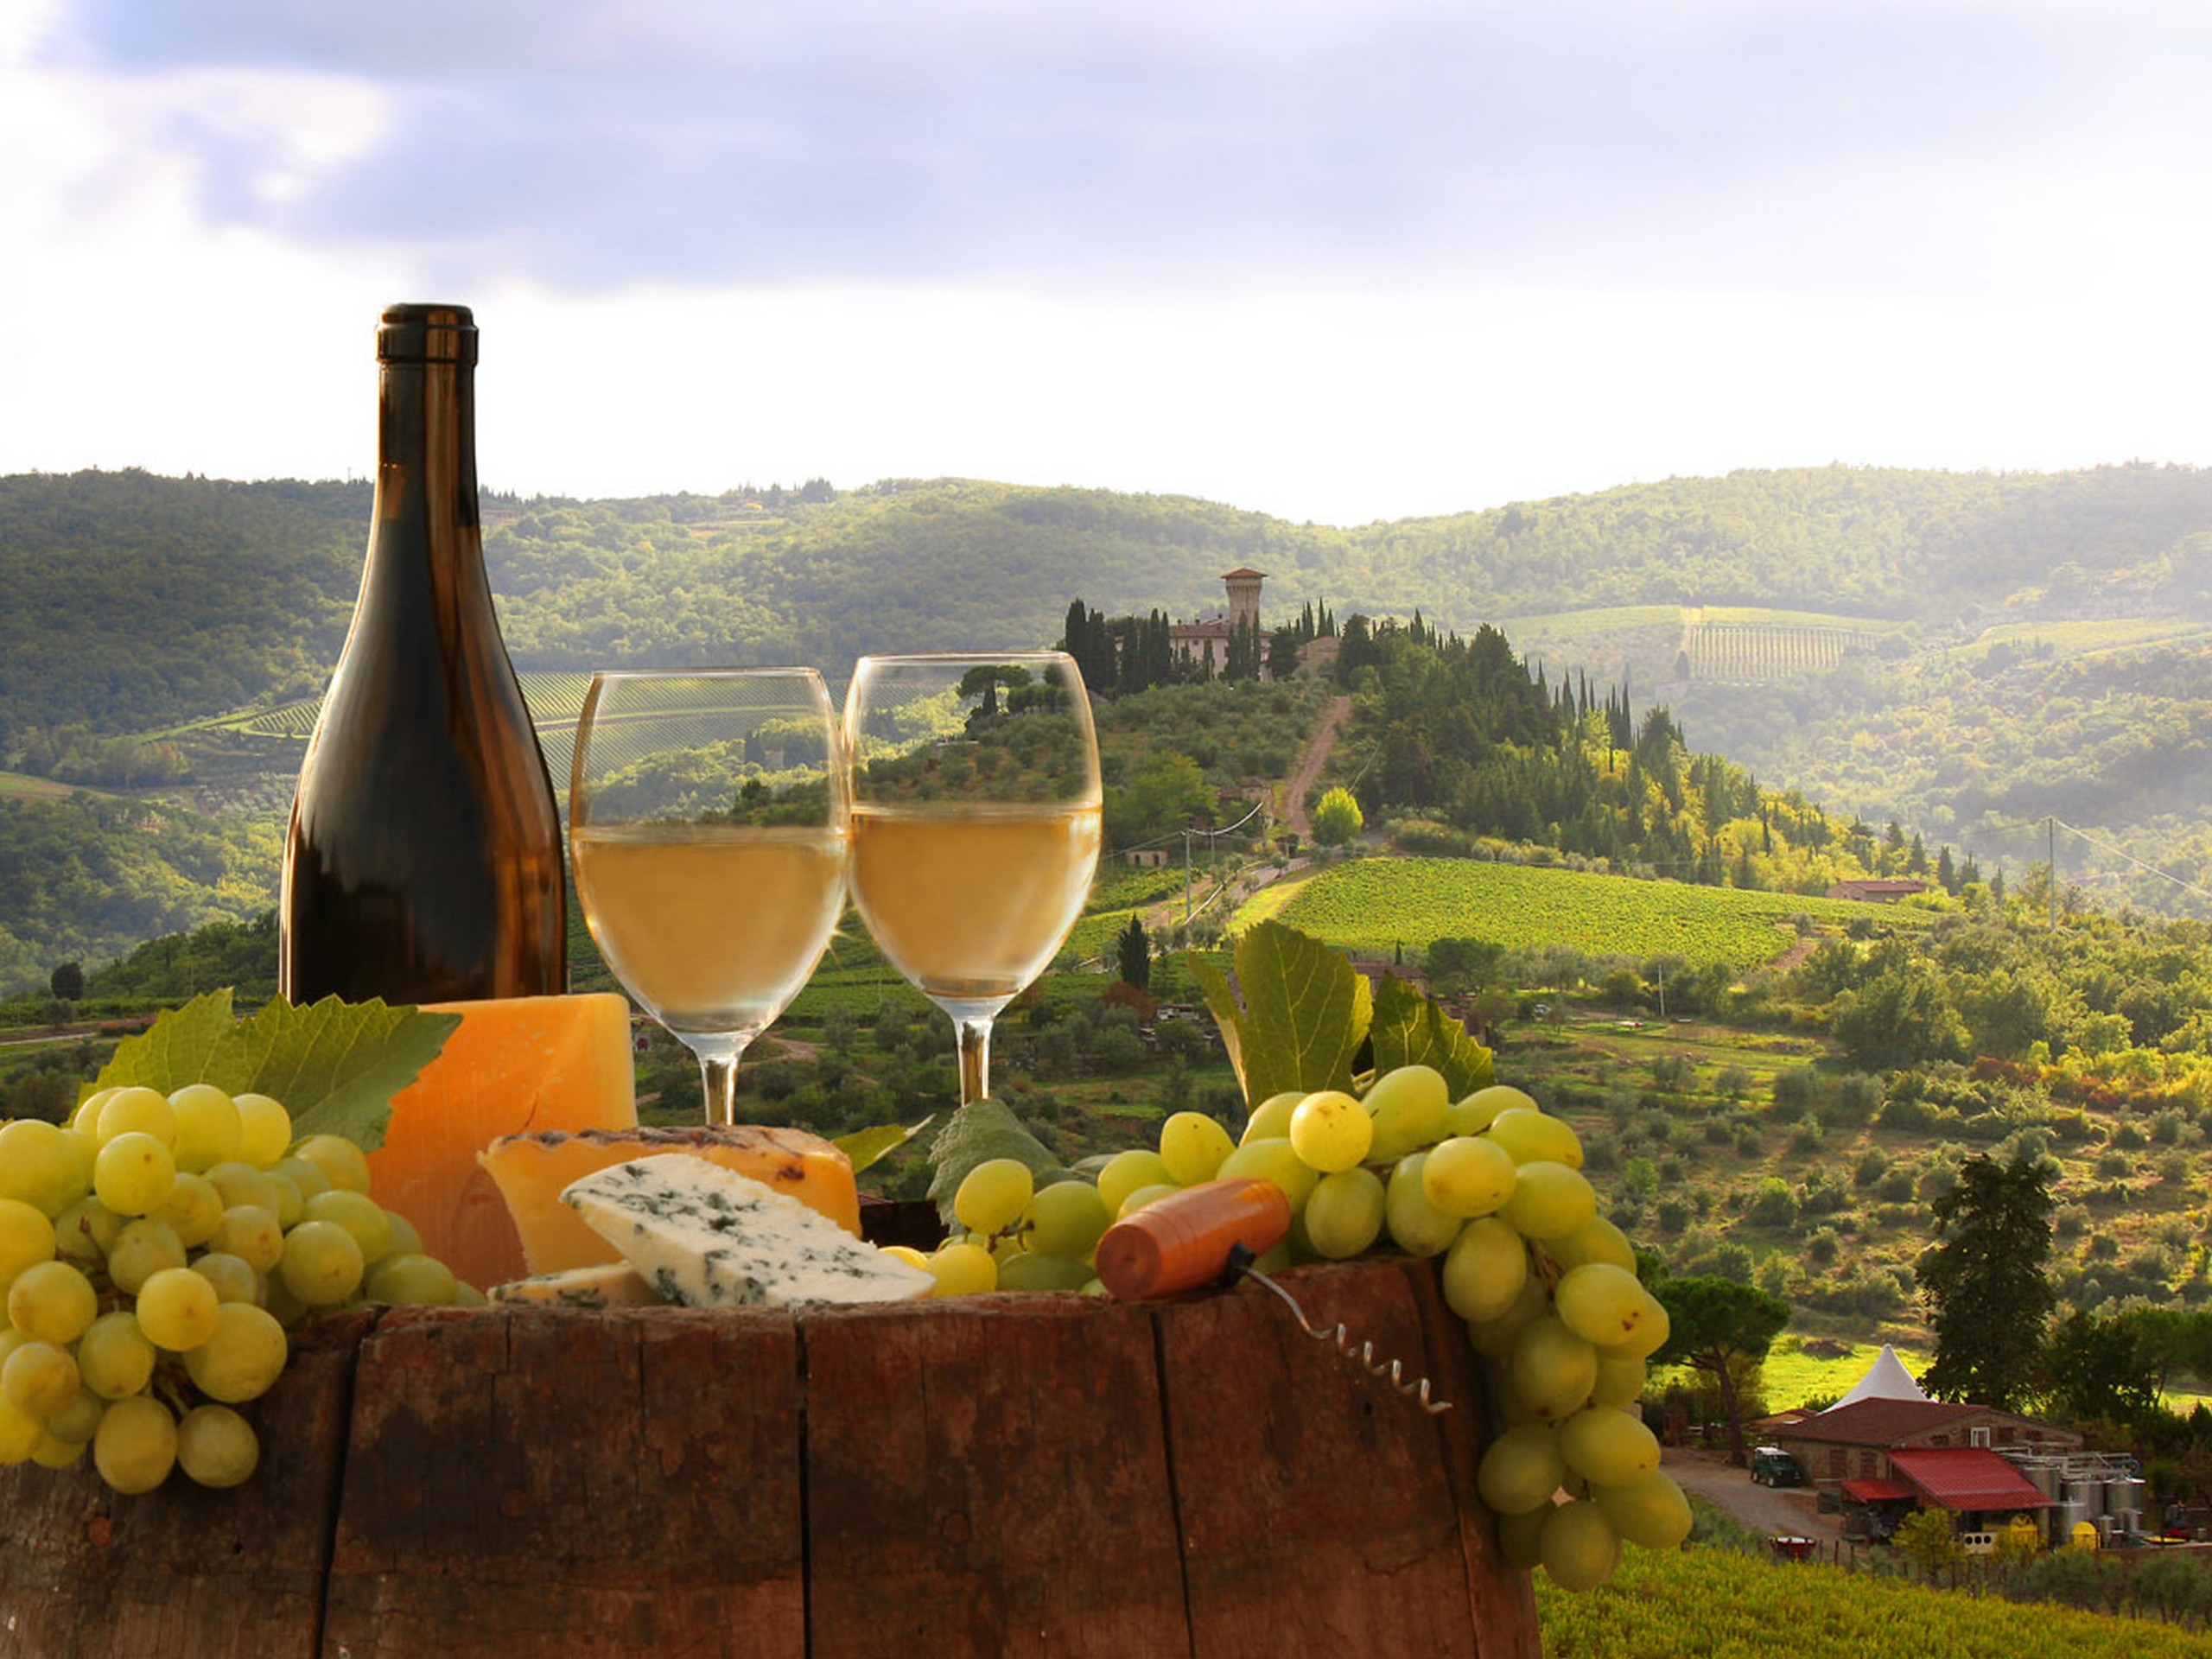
(423, 863)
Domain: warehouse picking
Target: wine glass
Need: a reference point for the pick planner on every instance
(708, 826)
(975, 824)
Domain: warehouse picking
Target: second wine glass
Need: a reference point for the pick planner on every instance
(975, 824)
(708, 828)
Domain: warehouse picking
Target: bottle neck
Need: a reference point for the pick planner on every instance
(426, 454)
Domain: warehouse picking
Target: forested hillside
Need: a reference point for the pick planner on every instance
(1962, 653)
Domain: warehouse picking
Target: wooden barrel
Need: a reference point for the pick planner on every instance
(992, 1476)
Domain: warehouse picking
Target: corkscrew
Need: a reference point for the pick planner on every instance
(1215, 1231)
(1414, 1389)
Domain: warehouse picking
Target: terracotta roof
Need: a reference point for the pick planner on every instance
(1970, 1477)
(1241, 570)
(1877, 1421)
(1877, 1491)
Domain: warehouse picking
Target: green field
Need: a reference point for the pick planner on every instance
(1375, 906)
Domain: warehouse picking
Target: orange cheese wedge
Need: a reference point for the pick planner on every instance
(513, 1065)
(530, 1170)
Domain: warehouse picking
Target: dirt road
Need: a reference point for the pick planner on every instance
(1310, 764)
(1765, 1509)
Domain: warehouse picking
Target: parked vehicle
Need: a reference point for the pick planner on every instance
(1772, 1466)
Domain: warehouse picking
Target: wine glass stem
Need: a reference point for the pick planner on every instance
(718, 1072)
(974, 1034)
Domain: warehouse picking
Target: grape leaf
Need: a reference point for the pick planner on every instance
(1306, 1011)
(335, 1065)
(978, 1132)
(865, 1146)
(1410, 1030)
(178, 1048)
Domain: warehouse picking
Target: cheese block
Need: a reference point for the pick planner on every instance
(614, 1284)
(707, 1236)
(530, 1170)
(513, 1063)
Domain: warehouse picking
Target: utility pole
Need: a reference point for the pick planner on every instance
(1186, 878)
(2051, 834)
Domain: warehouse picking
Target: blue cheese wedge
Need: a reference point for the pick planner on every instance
(606, 1284)
(706, 1237)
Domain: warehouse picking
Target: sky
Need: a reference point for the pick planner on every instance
(1334, 260)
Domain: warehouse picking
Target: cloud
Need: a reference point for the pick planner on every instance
(1144, 143)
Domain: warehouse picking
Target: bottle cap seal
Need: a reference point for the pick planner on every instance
(426, 334)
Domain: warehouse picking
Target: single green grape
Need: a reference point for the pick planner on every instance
(1552, 1369)
(27, 1237)
(1065, 1219)
(322, 1264)
(992, 1196)
(1479, 1111)
(414, 1280)
(1547, 1200)
(79, 1419)
(1344, 1214)
(114, 1356)
(1410, 1105)
(1039, 1270)
(962, 1270)
(1485, 1270)
(1601, 1303)
(1415, 1225)
(136, 1446)
(1596, 1240)
(265, 1130)
(84, 1233)
(405, 1240)
(1578, 1545)
(1125, 1172)
(233, 1277)
(1499, 1335)
(1521, 1468)
(40, 1166)
(1608, 1447)
(208, 1129)
(20, 1433)
(217, 1447)
(141, 1250)
(309, 1178)
(253, 1235)
(357, 1213)
(1520, 1536)
(241, 1183)
(1467, 1175)
(39, 1378)
(52, 1301)
(192, 1207)
(344, 1164)
(1192, 1144)
(1272, 1158)
(135, 1110)
(1270, 1119)
(1532, 1136)
(1651, 1512)
(134, 1173)
(55, 1452)
(1332, 1131)
(1653, 1327)
(1620, 1379)
(242, 1359)
(177, 1309)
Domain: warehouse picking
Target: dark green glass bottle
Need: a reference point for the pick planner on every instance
(423, 860)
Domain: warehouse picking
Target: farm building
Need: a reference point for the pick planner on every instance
(1879, 890)
(1881, 1457)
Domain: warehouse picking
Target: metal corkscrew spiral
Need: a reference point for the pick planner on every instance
(1416, 1388)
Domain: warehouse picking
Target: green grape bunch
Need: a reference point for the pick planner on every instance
(1491, 1187)
(156, 1252)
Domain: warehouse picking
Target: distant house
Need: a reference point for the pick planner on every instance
(1146, 858)
(1877, 890)
(1206, 639)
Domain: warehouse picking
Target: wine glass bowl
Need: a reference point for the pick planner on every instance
(975, 824)
(709, 833)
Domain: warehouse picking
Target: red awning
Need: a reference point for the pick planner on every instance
(1877, 1491)
(1964, 1479)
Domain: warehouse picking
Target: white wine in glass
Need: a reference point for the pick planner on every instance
(975, 824)
(709, 829)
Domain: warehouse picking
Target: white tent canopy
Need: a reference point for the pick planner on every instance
(1885, 1379)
